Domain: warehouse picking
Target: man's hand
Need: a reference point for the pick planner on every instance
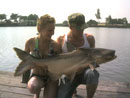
(62, 79)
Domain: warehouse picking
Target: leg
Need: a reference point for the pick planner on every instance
(37, 94)
(75, 93)
(66, 90)
(91, 89)
(91, 79)
(34, 85)
(50, 90)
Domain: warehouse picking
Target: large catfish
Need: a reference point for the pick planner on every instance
(68, 64)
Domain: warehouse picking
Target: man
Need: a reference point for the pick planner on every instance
(73, 40)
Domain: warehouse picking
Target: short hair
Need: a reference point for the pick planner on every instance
(77, 20)
(44, 20)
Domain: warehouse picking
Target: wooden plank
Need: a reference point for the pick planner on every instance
(114, 89)
(110, 89)
(10, 87)
(103, 94)
(7, 78)
(16, 90)
(13, 95)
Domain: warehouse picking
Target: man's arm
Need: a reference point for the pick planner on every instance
(91, 40)
(57, 47)
(60, 40)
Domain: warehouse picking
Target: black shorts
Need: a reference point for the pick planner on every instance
(43, 78)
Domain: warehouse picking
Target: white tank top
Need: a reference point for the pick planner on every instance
(85, 45)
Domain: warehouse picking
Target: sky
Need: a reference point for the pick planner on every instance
(60, 9)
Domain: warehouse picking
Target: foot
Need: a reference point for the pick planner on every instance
(36, 96)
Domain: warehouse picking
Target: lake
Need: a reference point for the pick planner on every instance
(112, 38)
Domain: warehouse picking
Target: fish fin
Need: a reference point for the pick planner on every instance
(21, 54)
(22, 67)
(92, 65)
(25, 64)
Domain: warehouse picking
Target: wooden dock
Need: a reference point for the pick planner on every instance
(10, 87)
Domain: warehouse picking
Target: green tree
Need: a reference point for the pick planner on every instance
(32, 17)
(109, 20)
(125, 20)
(22, 18)
(2, 17)
(92, 23)
(8, 22)
(14, 17)
(65, 23)
(98, 15)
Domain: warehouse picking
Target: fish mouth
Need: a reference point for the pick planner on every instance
(109, 58)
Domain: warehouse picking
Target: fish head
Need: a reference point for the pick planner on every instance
(99, 55)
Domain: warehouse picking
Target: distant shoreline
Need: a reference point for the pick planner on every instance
(67, 26)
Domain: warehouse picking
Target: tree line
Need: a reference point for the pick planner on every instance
(109, 22)
(18, 20)
(31, 20)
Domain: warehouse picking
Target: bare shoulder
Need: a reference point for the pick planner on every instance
(60, 39)
(56, 46)
(89, 36)
(29, 45)
(91, 40)
(31, 40)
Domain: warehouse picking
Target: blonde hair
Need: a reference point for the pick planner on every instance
(43, 21)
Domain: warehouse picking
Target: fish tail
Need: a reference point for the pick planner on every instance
(21, 68)
(21, 54)
(25, 64)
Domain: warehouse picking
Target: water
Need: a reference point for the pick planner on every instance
(112, 38)
(117, 39)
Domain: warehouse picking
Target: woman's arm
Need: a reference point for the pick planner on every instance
(29, 45)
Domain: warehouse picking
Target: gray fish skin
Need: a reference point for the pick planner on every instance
(69, 64)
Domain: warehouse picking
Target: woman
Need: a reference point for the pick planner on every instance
(40, 47)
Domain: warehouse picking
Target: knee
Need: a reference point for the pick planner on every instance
(91, 77)
(93, 73)
(33, 87)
